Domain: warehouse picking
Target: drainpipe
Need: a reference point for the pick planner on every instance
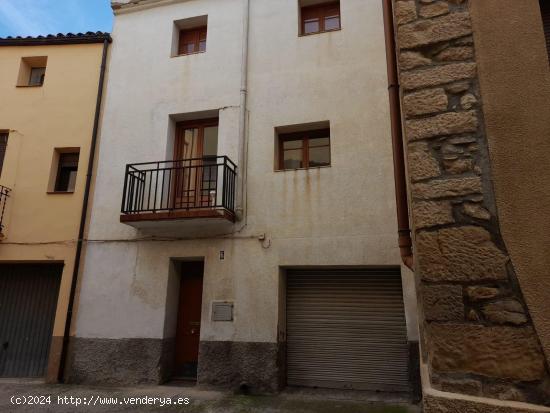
(241, 187)
(404, 231)
(91, 159)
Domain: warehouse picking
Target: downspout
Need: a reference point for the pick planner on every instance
(89, 173)
(242, 161)
(404, 231)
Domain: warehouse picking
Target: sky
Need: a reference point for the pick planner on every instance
(42, 17)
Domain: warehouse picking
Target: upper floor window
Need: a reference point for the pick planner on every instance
(192, 41)
(64, 170)
(190, 36)
(32, 71)
(302, 150)
(320, 18)
(545, 10)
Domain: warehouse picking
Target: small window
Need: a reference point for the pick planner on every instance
(320, 18)
(37, 76)
(302, 150)
(66, 172)
(32, 71)
(192, 41)
(545, 10)
(3, 147)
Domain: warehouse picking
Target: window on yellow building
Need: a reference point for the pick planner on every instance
(32, 71)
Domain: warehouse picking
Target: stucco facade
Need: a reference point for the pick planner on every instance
(338, 216)
(41, 225)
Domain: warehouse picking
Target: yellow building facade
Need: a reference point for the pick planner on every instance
(50, 89)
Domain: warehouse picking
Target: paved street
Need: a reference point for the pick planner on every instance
(141, 399)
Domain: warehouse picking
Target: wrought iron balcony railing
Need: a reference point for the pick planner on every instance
(4, 195)
(168, 187)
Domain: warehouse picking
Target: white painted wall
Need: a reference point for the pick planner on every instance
(339, 215)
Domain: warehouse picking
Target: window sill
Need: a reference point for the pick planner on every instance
(187, 54)
(60, 192)
(29, 85)
(303, 169)
(324, 31)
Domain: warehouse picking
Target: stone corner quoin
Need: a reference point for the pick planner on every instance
(474, 312)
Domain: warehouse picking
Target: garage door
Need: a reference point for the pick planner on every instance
(346, 329)
(28, 300)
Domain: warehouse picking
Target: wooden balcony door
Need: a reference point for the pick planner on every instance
(195, 152)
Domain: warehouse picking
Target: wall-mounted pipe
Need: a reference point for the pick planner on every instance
(242, 161)
(404, 231)
(84, 212)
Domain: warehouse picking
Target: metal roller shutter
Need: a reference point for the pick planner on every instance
(346, 329)
(28, 301)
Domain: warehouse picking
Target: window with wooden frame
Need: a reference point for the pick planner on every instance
(545, 11)
(302, 150)
(319, 18)
(192, 40)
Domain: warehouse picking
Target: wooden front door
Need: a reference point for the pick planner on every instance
(195, 151)
(189, 319)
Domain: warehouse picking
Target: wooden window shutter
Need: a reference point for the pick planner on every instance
(545, 10)
(3, 147)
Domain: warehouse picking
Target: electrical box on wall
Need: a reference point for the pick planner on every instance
(222, 311)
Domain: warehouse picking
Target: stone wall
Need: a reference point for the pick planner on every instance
(478, 334)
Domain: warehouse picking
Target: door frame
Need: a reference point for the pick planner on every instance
(197, 199)
(180, 274)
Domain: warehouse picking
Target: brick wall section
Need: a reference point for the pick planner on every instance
(478, 333)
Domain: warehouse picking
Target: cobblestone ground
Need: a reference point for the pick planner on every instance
(71, 399)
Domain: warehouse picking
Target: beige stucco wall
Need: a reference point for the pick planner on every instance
(42, 227)
(515, 86)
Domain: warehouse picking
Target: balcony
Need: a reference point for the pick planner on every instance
(199, 189)
(4, 195)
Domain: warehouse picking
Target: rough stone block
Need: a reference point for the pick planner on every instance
(430, 213)
(410, 60)
(465, 386)
(443, 188)
(434, 9)
(459, 254)
(405, 12)
(476, 211)
(425, 102)
(422, 165)
(458, 87)
(439, 29)
(438, 75)
(507, 311)
(435, 404)
(443, 302)
(468, 101)
(498, 352)
(454, 54)
(458, 165)
(482, 293)
(441, 125)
